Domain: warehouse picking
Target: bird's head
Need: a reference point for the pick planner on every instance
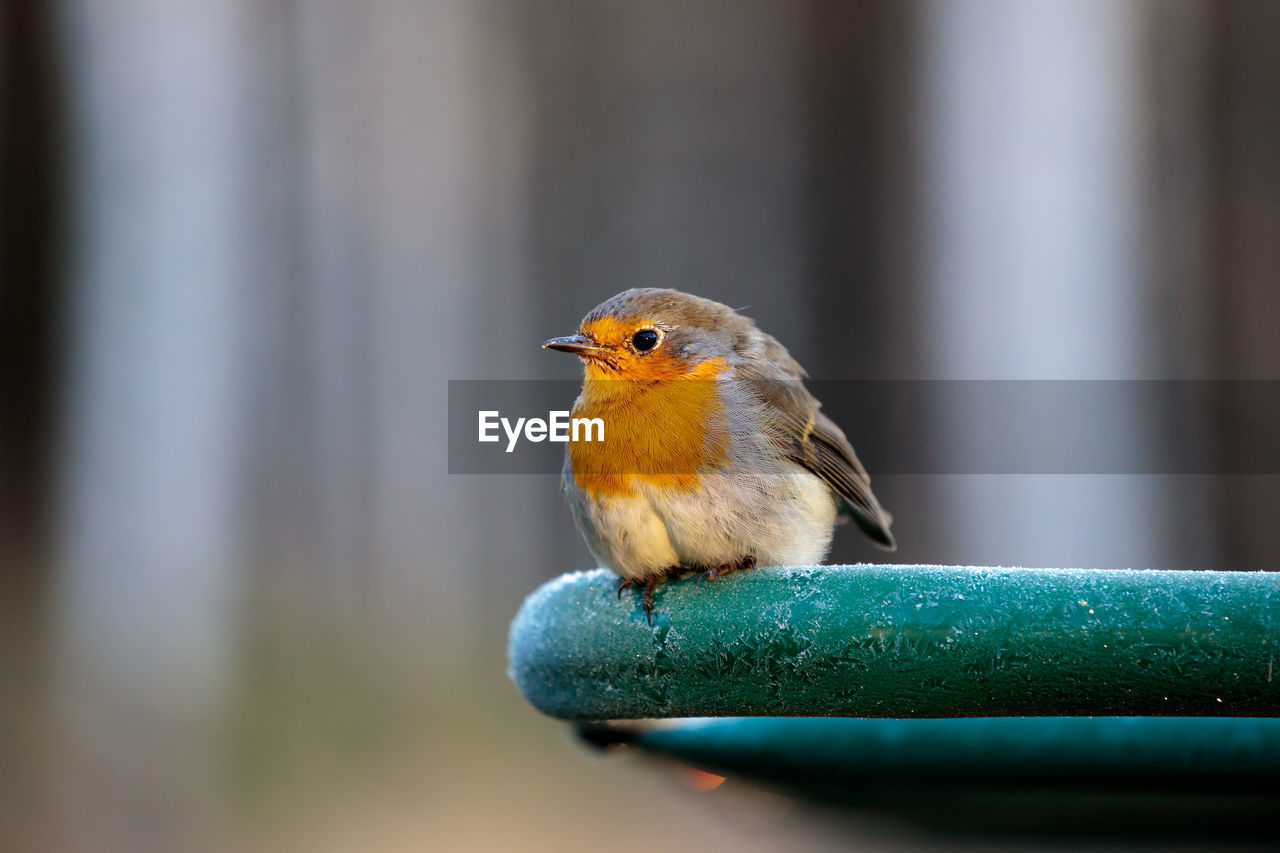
(648, 334)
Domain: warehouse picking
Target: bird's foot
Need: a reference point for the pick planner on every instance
(647, 600)
(747, 562)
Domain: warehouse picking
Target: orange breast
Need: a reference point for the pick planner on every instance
(659, 431)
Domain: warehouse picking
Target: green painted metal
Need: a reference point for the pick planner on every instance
(1218, 777)
(1096, 753)
(904, 641)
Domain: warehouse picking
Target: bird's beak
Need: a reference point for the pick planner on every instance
(578, 345)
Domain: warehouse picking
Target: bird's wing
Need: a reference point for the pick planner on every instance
(811, 439)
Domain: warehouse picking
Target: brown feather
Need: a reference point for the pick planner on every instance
(812, 440)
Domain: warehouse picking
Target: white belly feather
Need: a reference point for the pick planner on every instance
(779, 513)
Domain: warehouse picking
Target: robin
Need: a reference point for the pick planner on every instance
(715, 456)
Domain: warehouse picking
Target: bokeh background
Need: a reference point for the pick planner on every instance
(245, 243)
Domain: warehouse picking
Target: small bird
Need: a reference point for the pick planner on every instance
(715, 456)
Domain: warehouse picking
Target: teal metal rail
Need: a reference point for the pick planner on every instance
(1214, 778)
(835, 754)
(905, 641)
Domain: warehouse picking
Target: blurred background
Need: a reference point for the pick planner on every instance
(244, 245)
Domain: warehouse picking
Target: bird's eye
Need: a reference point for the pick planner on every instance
(644, 340)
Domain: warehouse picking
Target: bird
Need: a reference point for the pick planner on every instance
(715, 457)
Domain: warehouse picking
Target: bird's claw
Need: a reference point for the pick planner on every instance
(714, 572)
(647, 601)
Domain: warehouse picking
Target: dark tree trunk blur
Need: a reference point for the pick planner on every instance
(30, 285)
(1244, 282)
(858, 189)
